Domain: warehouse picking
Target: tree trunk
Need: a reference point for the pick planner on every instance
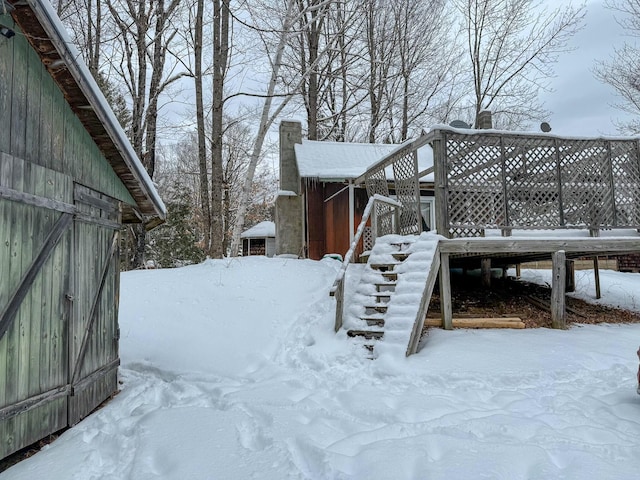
(220, 52)
(202, 145)
(373, 71)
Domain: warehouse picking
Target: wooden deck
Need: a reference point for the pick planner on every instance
(504, 251)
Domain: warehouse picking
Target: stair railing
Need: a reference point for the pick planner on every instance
(337, 290)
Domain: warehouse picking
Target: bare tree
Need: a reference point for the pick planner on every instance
(427, 63)
(380, 50)
(622, 72)
(238, 140)
(200, 121)
(145, 33)
(511, 48)
(221, 19)
(330, 85)
(313, 14)
(275, 41)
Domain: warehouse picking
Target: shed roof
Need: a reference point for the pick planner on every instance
(49, 39)
(261, 230)
(343, 161)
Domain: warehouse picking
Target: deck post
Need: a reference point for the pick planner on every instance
(445, 292)
(571, 276)
(485, 272)
(558, 307)
(596, 273)
(518, 271)
(440, 186)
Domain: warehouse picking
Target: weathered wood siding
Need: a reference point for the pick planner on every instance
(59, 354)
(33, 351)
(328, 221)
(93, 347)
(314, 192)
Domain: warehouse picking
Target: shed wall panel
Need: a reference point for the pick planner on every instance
(33, 109)
(337, 221)
(93, 254)
(6, 74)
(18, 95)
(45, 151)
(33, 350)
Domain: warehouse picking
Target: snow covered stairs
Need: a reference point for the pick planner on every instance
(390, 304)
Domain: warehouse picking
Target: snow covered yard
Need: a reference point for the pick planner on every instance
(230, 370)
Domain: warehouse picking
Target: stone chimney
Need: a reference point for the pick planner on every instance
(289, 202)
(484, 120)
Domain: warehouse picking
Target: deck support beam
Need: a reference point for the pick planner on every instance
(571, 276)
(485, 272)
(445, 292)
(596, 273)
(558, 305)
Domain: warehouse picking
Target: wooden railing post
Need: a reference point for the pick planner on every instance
(374, 223)
(339, 296)
(396, 220)
(612, 184)
(559, 184)
(596, 273)
(440, 186)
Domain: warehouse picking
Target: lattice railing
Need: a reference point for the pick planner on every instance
(496, 180)
(522, 181)
(405, 170)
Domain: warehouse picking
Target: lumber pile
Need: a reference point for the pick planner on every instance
(500, 322)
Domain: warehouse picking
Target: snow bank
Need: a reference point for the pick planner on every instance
(223, 316)
(231, 370)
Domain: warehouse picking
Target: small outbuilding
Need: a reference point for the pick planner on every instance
(69, 180)
(260, 239)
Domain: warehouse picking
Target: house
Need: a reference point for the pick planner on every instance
(69, 180)
(500, 198)
(321, 177)
(259, 239)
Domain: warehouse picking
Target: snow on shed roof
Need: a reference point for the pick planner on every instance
(342, 160)
(261, 230)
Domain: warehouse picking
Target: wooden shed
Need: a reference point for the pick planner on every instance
(259, 239)
(69, 179)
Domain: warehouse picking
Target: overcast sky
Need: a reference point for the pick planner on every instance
(582, 105)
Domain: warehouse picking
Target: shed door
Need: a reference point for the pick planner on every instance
(94, 333)
(35, 243)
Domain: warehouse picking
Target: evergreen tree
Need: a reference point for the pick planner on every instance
(176, 242)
